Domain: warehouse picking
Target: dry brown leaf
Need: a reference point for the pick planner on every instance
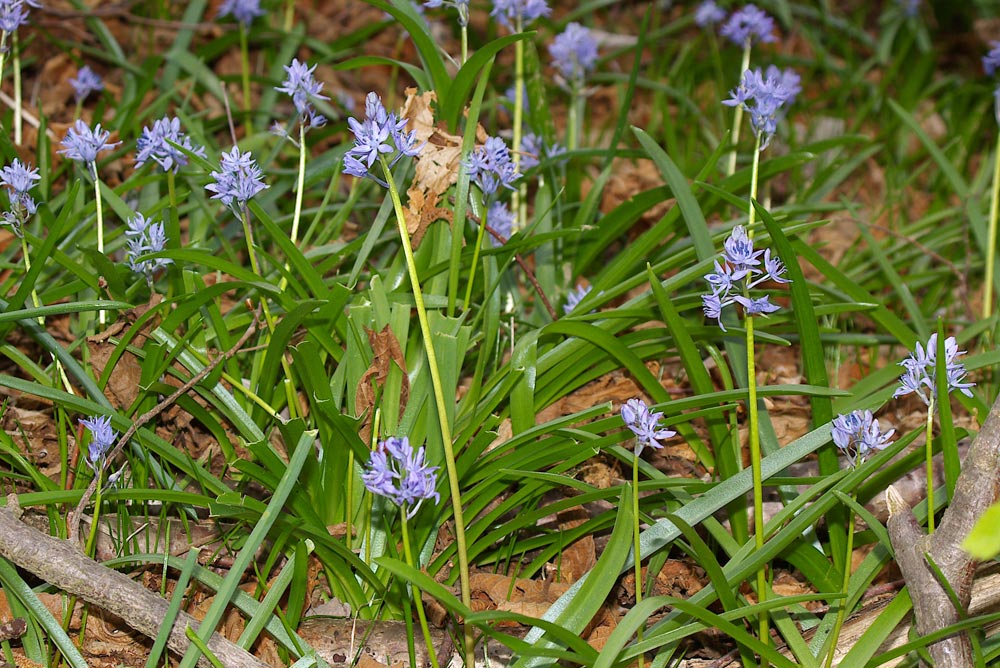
(386, 351)
(123, 383)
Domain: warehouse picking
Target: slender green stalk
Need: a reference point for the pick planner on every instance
(3, 52)
(636, 548)
(245, 62)
(15, 47)
(416, 593)
(289, 15)
(842, 609)
(574, 118)
(929, 451)
(27, 269)
(755, 454)
(465, 44)
(101, 315)
(991, 246)
(475, 255)
(299, 188)
(96, 517)
(432, 364)
(518, 197)
(734, 136)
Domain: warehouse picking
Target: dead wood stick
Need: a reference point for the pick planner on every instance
(977, 487)
(73, 521)
(61, 564)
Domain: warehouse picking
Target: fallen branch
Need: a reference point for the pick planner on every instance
(61, 564)
(976, 489)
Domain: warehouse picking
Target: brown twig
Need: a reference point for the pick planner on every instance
(527, 272)
(61, 564)
(73, 521)
(977, 487)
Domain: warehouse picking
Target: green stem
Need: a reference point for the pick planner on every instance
(432, 364)
(755, 454)
(991, 246)
(518, 195)
(299, 187)
(465, 44)
(27, 269)
(3, 52)
(573, 121)
(636, 548)
(245, 62)
(738, 115)
(416, 593)
(475, 255)
(929, 451)
(101, 315)
(96, 517)
(842, 609)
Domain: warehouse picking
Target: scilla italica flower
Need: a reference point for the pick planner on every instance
(18, 178)
(83, 144)
(461, 6)
(858, 434)
(302, 86)
(645, 424)
(491, 167)
(575, 297)
(708, 13)
(401, 474)
(143, 236)
(238, 180)
(920, 369)
(102, 437)
(380, 133)
(742, 269)
(155, 144)
(749, 23)
(87, 81)
(511, 13)
(244, 11)
(766, 96)
(574, 54)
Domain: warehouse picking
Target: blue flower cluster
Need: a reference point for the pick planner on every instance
(514, 13)
(748, 24)
(741, 270)
(574, 53)
(858, 434)
(141, 237)
(381, 133)
(102, 437)
(401, 474)
(461, 6)
(18, 179)
(645, 424)
(303, 88)
(919, 371)
(238, 180)
(708, 14)
(154, 144)
(490, 166)
(991, 62)
(83, 144)
(766, 96)
(13, 13)
(244, 11)
(533, 149)
(575, 297)
(87, 81)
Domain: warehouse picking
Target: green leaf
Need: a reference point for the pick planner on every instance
(983, 542)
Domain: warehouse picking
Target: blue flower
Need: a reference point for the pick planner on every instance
(238, 180)
(766, 97)
(83, 144)
(514, 13)
(462, 6)
(739, 251)
(501, 220)
(401, 474)
(575, 297)
(18, 178)
(749, 23)
(991, 61)
(13, 14)
(303, 87)
(712, 305)
(858, 434)
(244, 11)
(758, 306)
(708, 14)
(380, 133)
(87, 81)
(741, 270)
(490, 166)
(645, 424)
(574, 53)
(920, 370)
(102, 437)
(153, 144)
(141, 237)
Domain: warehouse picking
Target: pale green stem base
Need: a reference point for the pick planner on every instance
(432, 364)
(15, 47)
(101, 315)
(299, 187)
(417, 595)
(734, 137)
(636, 547)
(991, 246)
(929, 450)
